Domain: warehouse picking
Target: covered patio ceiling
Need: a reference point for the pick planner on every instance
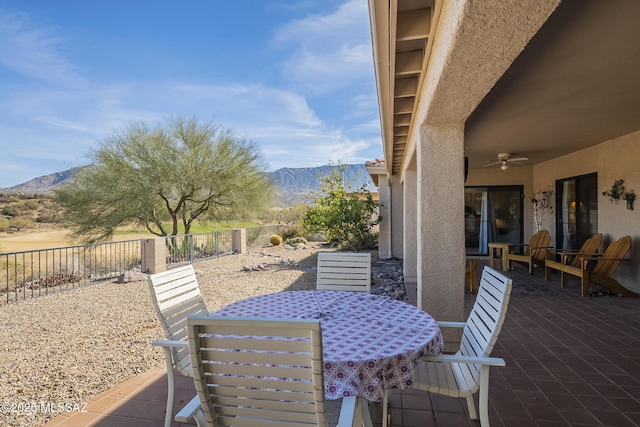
(576, 84)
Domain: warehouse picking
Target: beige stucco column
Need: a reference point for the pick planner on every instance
(386, 212)
(397, 217)
(410, 232)
(154, 255)
(239, 241)
(440, 219)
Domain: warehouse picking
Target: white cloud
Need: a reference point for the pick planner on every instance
(288, 131)
(35, 52)
(329, 51)
(62, 124)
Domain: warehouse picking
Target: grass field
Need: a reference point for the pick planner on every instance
(46, 238)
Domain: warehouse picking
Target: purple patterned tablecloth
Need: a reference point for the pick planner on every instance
(370, 342)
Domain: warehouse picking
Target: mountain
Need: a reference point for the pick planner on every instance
(292, 184)
(43, 184)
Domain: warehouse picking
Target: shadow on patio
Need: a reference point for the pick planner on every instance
(570, 361)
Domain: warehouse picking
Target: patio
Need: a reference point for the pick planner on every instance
(570, 361)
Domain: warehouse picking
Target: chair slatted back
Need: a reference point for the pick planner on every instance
(344, 271)
(176, 295)
(590, 246)
(618, 249)
(258, 372)
(484, 322)
(537, 243)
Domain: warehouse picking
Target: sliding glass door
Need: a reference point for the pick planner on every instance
(577, 213)
(492, 214)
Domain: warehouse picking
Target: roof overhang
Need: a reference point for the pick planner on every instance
(569, 84)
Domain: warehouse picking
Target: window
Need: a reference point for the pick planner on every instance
(577, 210)
(492, 214)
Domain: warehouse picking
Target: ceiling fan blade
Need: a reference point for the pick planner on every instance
(519, 159)
(492, 164)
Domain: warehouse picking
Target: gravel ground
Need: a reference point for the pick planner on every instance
(71, 346)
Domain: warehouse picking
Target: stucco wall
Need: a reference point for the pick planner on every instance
(615, 159)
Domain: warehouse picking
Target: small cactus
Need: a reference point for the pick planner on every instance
(276, 240)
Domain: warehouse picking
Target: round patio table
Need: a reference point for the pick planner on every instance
(370, 342)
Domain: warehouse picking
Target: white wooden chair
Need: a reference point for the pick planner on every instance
(176, 296)
(344, 271)
(464, 373)
(272, 377)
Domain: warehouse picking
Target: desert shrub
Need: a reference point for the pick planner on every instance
(4, 224)
(11, 210)
(296, 239)
(31, 205)
(20, 223)
(364, 242)
(48, 213)
(345, 218)
(276, 240)
(290, 231)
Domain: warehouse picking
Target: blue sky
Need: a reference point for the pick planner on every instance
(295, 77)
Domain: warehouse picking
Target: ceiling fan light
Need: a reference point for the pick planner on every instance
(504, 166)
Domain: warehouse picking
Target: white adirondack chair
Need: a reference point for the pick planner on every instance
(344, 271)
(464, 373)
(272, 377)
(176, 296)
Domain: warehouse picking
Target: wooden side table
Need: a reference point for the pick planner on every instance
(504, 251)
(470, 275)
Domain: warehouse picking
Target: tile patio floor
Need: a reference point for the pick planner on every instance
(571, 361)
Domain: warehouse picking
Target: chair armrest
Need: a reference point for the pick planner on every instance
(570, 252)
(584, 254)
(347, 411)
(541, 247)
(584, 261)
(447, 324)
(170, 343)
(190, 410)
(530, 247)
(596, 257)
(489, 361)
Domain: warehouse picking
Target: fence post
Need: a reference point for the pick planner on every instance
(239, 240)
(191, 251)
(154, 259)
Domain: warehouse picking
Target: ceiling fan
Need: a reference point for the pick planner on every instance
(504, 159)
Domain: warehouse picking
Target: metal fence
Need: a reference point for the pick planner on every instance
(257, 236)
(41, 272)
(190, 248)
(30, 274)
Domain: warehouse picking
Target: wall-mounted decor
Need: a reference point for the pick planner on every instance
(617, 192)
(630, 197)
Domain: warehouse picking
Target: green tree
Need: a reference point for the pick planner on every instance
(168, 174)
(346, 219)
